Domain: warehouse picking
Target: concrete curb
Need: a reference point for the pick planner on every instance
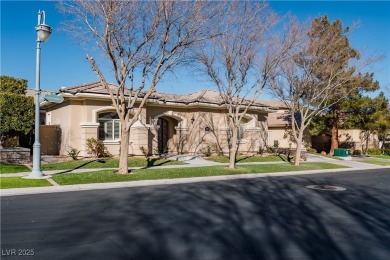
(115, 185)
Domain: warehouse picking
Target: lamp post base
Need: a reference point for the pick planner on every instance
(36, 172)
(36, 175)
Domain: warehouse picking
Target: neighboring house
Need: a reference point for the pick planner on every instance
(355, 139)
(279, 128)
(168, 122)
(279, 134)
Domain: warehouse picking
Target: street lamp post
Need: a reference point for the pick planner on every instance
(43, 34)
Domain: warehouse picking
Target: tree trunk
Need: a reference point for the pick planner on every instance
(335, 132)
(297, 158)
(124, 152)
(367, 141)
(233, 149)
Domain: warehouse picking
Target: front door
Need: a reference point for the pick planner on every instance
(163, 135)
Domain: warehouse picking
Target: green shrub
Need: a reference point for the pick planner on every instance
(261, 150)
(16, 114)
(207, 151)
(73, 152)
(357, 152)
(311, 150)
(386, 149)
(97, 148)
(144, 151)
(11, 141)
(375, 151)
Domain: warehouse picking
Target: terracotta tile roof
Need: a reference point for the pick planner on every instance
(31, 92)
(279, 119)
(94, 87)
(202, 96)
(274, 103)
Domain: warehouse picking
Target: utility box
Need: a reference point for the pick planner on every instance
(341, 152)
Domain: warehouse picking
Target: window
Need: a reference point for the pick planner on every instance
(109, 126)
(241, 131)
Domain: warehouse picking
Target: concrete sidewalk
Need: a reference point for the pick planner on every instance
(348, 163)
(198, 162)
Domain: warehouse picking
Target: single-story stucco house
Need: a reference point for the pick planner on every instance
(171, 123)
(168, 122)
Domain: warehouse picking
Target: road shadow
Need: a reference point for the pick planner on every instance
(261, 218)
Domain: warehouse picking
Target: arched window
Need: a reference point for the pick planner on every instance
(241, 131)
(109, 126)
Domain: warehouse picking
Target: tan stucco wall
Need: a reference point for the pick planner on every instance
(57, 117)
(284, 137)
(279, 134)
(355, 137)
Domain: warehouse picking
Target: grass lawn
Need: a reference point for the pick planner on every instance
(17, 182)
(107, 163)
(377, 162)
(13, 168)
(245, 158)
(386, 156)
(155, 174)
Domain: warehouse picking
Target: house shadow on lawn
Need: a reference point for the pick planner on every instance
(242, 158)
(151, 162)
(103, 161)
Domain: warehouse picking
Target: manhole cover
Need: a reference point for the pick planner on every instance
(325, 187)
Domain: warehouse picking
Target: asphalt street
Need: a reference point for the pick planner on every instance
(259, 218)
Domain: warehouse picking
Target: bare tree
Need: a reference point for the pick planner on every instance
(242, 60)
(142, 41)
(308, 83)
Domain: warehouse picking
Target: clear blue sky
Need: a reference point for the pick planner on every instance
(63, 61)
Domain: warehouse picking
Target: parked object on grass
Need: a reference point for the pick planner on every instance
(73, 153)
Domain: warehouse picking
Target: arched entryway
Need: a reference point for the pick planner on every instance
(162, 135)
(167, 125)
(166, 130)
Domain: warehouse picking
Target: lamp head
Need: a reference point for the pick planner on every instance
(43, 30)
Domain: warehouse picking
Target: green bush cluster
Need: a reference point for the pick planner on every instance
(16, 111)
(11, 141)
(386, 149)
(357, 152)
(375, 151)
(97, 148)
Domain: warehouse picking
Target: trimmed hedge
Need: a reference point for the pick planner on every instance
(375, 151)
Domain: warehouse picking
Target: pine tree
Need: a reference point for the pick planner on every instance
(368, 114)
(342, 55)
